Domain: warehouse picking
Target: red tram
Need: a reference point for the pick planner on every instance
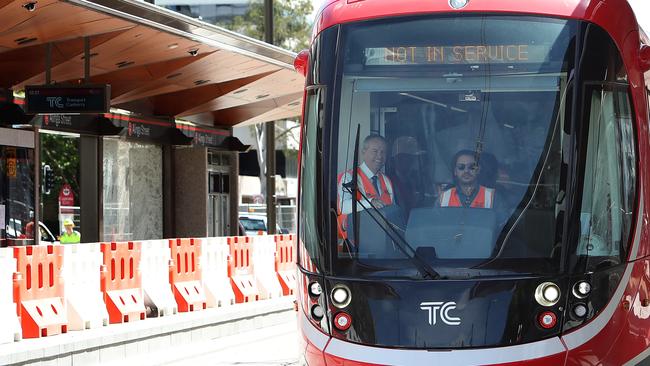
(471, 186)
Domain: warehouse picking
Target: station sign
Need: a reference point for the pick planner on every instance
(71, 99)
(204, 136)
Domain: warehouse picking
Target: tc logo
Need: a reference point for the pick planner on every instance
(440, 309)
(55, 102)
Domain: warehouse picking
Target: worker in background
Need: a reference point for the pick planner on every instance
(69, 236)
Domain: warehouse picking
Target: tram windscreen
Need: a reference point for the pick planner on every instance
(460, 141)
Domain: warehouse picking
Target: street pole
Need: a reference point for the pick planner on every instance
(270, 135)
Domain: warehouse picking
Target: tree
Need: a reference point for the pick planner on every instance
(291, 27)
(291, 30)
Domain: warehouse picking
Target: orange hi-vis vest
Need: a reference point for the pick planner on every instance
(370, 193)
(484, 198)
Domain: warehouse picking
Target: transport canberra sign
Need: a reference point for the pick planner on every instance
(55, 99)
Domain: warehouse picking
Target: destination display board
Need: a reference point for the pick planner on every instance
(55, 99)
(457, 54)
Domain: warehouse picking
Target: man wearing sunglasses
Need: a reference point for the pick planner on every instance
(467, 192)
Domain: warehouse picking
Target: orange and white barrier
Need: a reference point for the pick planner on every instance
(214, 271)
(240, 269)
(121, 282)
(83, 295)
(185, 276)
(38, 290)
(285, 263)
(10, 328)
(109, 280)
(264, 267)
(155, 263)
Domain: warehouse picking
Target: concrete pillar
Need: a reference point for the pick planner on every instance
(234, 193)
(169, 193)
(91, 188)
(191, 191)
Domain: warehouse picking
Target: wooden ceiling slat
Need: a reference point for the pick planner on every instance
(31, 61)
(216, 68)
(4, 3)
(279, 83)
(47, 24)
(289, 110)
(236, 115)
(173, 104)
(14, 15)
(126, 80)
(142, 45)
(72, 69)
(159, 78)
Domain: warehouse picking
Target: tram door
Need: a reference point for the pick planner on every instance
(218, 194)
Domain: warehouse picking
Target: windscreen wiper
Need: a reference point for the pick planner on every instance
(353, 188)
(403, 246)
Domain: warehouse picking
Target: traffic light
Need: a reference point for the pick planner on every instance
(48, 179)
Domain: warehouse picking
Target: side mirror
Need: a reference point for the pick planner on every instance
(644, 58)
(301, 62)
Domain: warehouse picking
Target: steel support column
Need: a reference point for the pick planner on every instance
(270, 135)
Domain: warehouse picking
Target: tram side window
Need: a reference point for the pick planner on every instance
(308, 231)
(610, 177)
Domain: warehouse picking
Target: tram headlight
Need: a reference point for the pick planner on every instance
(317, 312)
(581, 289)
(341, 296)
(458, 4)
(547, 294)
(580, 310)
(314, 289)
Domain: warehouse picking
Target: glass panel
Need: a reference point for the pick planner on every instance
(460, 145)
(16, 194)
(308, 231)
(61, 153)
(610, 178)
(225, 183)
(132, 190)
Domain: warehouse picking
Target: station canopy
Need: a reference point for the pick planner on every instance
(157, 62)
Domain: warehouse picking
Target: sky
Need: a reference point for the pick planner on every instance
(641, 8)
(317, 3)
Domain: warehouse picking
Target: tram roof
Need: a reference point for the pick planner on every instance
(143, 52)
(615, 15)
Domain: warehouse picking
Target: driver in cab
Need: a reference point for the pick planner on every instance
(375, 188)
(467, 192)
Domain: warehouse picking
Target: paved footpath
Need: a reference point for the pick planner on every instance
(271, 346)
(257, 333)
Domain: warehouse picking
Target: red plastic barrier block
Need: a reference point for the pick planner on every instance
(121, 282)
(124, 305)
(240, 269)
(185, 275)
(245, 288)
(190, 296)
(38, 290)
